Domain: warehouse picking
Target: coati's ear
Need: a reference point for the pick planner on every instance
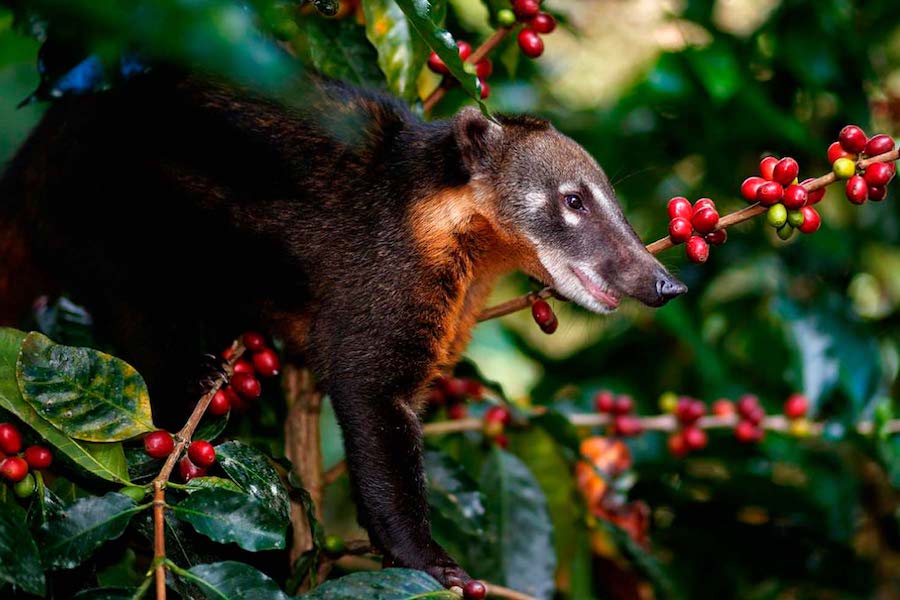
(477, 137)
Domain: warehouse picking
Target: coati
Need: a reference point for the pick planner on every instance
(181, 210)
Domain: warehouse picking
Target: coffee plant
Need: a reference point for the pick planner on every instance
(742, 442)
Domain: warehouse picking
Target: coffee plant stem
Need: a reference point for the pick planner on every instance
(482, 51)
(744, 214)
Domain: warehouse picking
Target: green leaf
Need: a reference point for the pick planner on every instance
(401, 51)
(389, 584)
(421, 15)
(87, 394)
(454, 494)
(339, 49)
(231, 580)
(211, 426)
(205, 483)
(523, 556)
(557, 426)
(20, 564)
(225, 516)
(103, 460)
(106, 593)
(251, 470)
(70, 537)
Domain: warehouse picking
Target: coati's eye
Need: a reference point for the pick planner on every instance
(574, 202)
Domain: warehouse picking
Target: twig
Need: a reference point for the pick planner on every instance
(334, 473)
(498, 591)
(744, 214)
(447, 82)
(182, 439)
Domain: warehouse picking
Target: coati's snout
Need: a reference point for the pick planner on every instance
(552, 193)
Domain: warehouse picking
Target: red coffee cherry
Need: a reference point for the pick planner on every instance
(247, 386)
(219, 404)
(626, 425)
(679, 207)
(704, 203)
(526, 9)
(623, 405)
(688, 410)
(879, 144)
(746, 404)
(815, 196)
(750, 187)
(484, 68)
(717, 237)
(474, 389)
(748, 433)
(498, 414)
(485, 88)
(723, 408)
(767, 167)
(38, 457)
(705, 220)
(436, 64)
(769, 193)
(676, 444)
(543, 23)
(530, 43)
(877, 193)
(159, 444)
(697, 249)
(455, 387)
(694, 437)
(604, 401)
(680, 230)
(10, 439)
(543, 315)
(242, 365)
(189, 470)
(879, 174)
(853, 139)
(465, 50)
(785, 171)
(795, 197)
(857, 189)
(254, 341)
(474, 590)
(202, 454)
(811, 220)
(795, 406)
(501, 441)
(266, 362)
(836, 151)
(13, 469)
(457, 411)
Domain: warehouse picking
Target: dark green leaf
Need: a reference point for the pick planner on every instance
(211, 426)
(20, 564)
(231, 580)
(204, 483)
(401, 51)
(70, 537)
(389, 584)
(557, 426)
(422, 18)
(454, 494)
(106, 593)
(251, 470)
(225, 516)
(103, 460)
(523, 556)
(339, 49)
(87, 394)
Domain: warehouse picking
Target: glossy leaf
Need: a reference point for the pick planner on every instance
(401, 51)
(105, 460)
(20, 564)
(339, 49)
(231, 580)
(251, 470)
(225, 516)
(454, 494)
(522, 557)
(106, 593)
(70, 537)
(389, 584)
(205, 483)
(421, 15)
(87, 394)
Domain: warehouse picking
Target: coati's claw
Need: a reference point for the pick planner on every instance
(449, 575)
(210, 371)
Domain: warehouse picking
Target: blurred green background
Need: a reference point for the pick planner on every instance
(672, 98)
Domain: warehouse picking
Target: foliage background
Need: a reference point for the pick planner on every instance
(672, 98)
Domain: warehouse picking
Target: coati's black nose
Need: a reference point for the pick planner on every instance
(668, 287)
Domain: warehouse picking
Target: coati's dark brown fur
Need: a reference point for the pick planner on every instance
(182, 211)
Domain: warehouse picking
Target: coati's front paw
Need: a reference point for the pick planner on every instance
(449, 575)
(437, 563)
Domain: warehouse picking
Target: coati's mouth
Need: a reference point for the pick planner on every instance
(599, 291)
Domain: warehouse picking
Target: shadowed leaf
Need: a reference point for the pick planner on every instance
(226, 516)
(389, 584)
(20, 564)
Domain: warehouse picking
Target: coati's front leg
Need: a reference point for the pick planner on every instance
(372, 390)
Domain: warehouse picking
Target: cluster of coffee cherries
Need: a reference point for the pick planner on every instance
(483, 68)
(536, 22)
(689, 437)
(200, 455)
(495, 420)
(790, 203)
(870, 183)
(15, 464)
(695, 225)
(453, 393)
(621, 408)
(244, 385)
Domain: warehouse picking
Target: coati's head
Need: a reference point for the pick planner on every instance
(548, 191)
